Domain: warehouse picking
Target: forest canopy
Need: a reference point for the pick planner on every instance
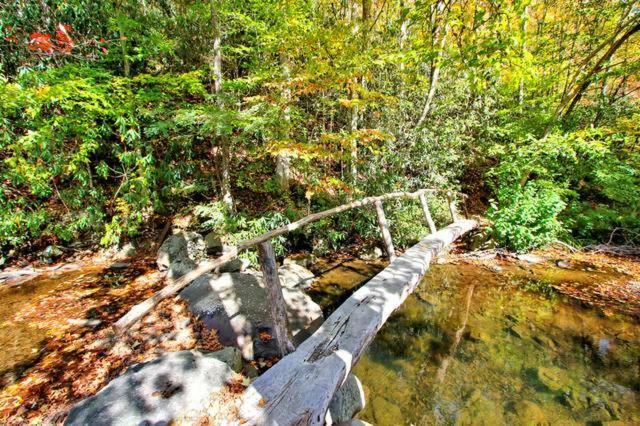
(254, 113)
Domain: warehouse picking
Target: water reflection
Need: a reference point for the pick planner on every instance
(474, 347)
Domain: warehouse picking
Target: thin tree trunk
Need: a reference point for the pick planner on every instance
(283, 160)
(225, 151)
(353, 153)
(435, 76)
(523, 50)
(582, 87)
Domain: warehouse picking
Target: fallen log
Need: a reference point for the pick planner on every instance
(141, 309)
(298, 389)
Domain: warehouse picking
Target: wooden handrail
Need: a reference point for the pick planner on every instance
(326, 213)
(141, 309)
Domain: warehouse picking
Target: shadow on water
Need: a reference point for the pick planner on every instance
(508, 351)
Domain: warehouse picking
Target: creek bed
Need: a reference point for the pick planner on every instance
(471, 346)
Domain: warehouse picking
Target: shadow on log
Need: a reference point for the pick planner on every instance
(298, 389)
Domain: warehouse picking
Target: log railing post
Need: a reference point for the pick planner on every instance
(386, 235)
(275, 299)
(452, 206)
(427, 213)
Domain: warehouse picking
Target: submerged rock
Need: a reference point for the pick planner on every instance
(520, 330)
(385, 412)
(479, 410)
(554, 378)
(156, 392)
(530, 413)
(348, 401)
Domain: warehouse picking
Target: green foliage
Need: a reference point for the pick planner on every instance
(526, 218)
(594, 173)
(109, 115)
(85, 144)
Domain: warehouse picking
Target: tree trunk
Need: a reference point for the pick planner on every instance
(384, 230)
(435, 76)
(586, 81)
(283, 160)
(216, 65)
(353, 153)
(275, 300)
(523, 49)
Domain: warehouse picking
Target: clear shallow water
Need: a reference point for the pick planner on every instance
(35, 313)
(473, 347)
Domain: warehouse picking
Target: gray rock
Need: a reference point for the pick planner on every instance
(230, 356)
(213, 244)
(371, 253)
(563, 264)
(234, 304)
(348, 401)
(119, 265)
(180, 252)
(295, 276)
(234, 265)
(305, 260)
(530, 258)
(155, 392)
(50, 254)
(128, 250)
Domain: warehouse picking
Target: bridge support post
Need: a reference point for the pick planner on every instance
(274, 297)
(384, 230)
(427, 213)
(452, 206)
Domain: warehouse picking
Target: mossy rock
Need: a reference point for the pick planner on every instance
(530, 414)
(479, 410)
(385, 412)
(554, 378)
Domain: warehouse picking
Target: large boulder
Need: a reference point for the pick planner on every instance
(180, 253)
(234, 265)
(158, 391)
(234, 304)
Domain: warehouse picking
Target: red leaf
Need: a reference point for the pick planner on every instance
(65, 43)
(40, 43)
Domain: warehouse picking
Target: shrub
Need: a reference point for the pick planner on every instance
(526, 218)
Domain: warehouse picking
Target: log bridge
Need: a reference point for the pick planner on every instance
(298, 389)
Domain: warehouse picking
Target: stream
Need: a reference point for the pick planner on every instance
(471, 346)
